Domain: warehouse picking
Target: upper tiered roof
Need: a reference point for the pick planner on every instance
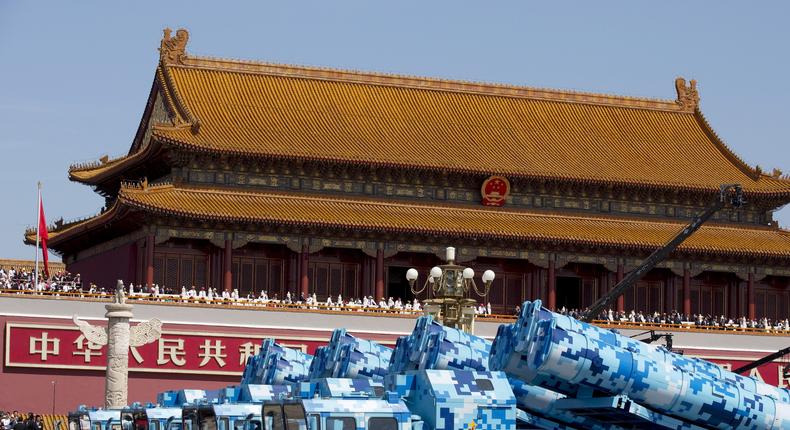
(308, 113)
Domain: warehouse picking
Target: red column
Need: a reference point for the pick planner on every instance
(149, 260)
(379, 274)
(750, 297)
(227, 281)
(620, 298)
(552, 284)
(686, 291)
(304, 282)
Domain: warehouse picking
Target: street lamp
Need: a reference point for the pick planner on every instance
(449, 284)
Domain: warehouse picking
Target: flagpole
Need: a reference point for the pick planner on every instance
(38, 221)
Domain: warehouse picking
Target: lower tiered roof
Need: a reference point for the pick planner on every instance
(440, 219)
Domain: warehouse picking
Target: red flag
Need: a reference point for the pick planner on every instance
(42, 233)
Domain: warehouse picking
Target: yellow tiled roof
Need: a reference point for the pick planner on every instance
(447, 220)
(307, 113)
(312, 113)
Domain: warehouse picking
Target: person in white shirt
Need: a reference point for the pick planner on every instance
(210, 295)
(202, 294)
(225, 295)
(235, 295)
(488, 308)
(184, 293)
(192, 292)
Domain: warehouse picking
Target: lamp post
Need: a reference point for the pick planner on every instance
(449, 284)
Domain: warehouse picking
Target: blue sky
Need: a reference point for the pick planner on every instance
(74, 76)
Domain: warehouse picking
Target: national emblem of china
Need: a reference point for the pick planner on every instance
(495, 190)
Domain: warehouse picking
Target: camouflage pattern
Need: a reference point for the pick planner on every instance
(434, 346)
(459, 399)
(347, 356)
(255, 393)
(341, 388)
(362, 410)
(236, 411)
(180, 397)
(545, 371)
(544, 348)
(318, 368)
(276, 365)
(535, 313)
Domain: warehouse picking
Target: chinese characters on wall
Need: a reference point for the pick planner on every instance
(30, 345)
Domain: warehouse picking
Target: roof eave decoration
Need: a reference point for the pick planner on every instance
(60, 230)
(172, 51)
(97, 172)
(688, 96)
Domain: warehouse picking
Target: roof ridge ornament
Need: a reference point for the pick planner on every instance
(688, 96)
(172, 50)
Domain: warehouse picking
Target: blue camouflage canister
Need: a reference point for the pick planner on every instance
(652, 377)
(434, 346)
(277, 365)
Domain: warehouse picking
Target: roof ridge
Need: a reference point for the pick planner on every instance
(719, 143)
(173, 54)
(174, 100)
(426, 83)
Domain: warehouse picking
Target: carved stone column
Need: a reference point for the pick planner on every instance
(119, 336)
(118, 333)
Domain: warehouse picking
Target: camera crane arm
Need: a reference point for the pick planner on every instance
(729, 194)
(767, 359)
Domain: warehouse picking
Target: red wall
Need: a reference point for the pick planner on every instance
(43, 390)
(32, 389)
(104, 269)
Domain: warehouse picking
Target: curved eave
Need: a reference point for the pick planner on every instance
(98, 175)
(59, 236)
(213, 211)
(781, 184)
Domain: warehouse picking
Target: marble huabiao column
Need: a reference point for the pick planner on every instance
(119, 336)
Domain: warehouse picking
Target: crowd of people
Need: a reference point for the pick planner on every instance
(64, 282)
(19, 421)
(691, 320)
(21, 280)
